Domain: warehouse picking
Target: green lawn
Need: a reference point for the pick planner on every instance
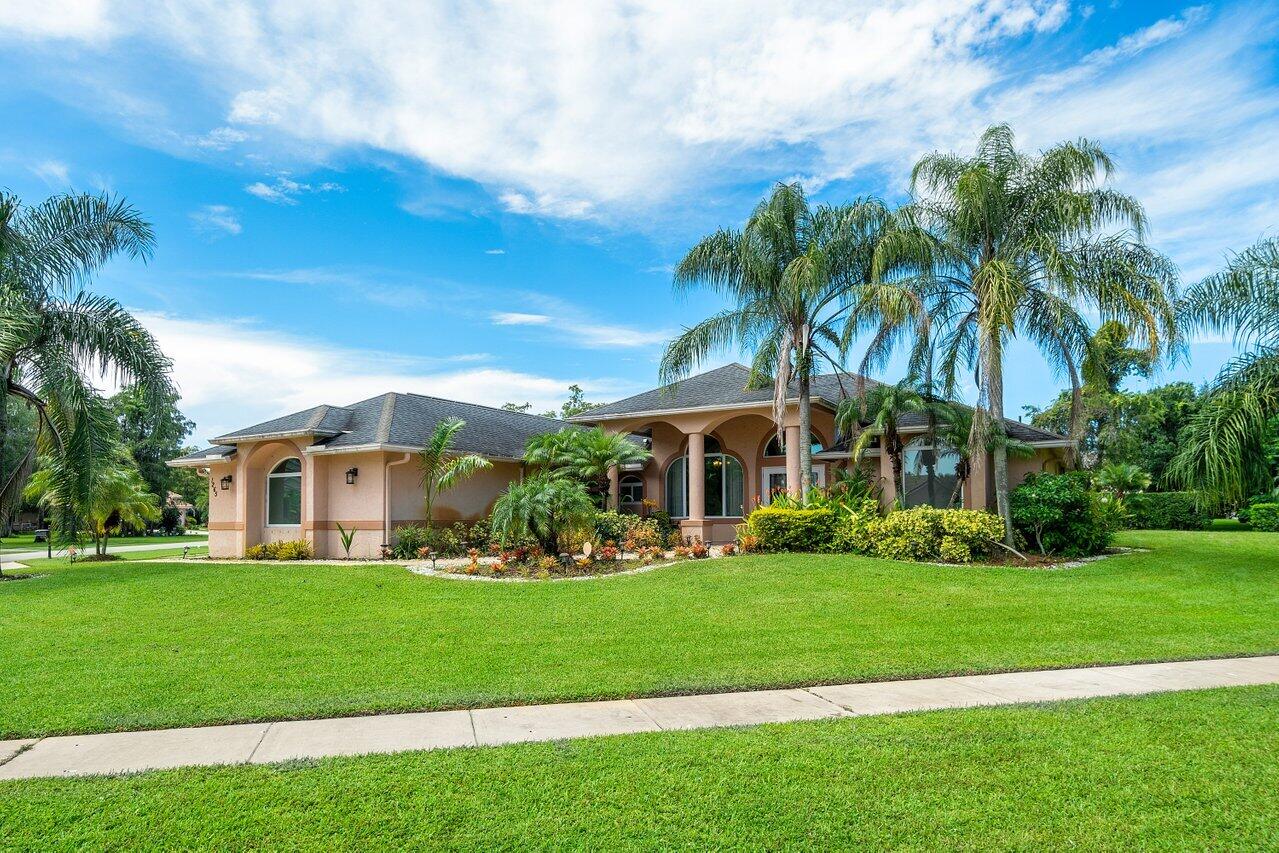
(26, 541)
(1187, 771)
(153, 644)
(194, 550)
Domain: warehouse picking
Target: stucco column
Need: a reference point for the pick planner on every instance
(696, 476)
(614, 488)
(791, 439)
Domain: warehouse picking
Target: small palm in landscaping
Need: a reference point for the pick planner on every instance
(118, 496)
(541, 507)
(593, 453)
(880, 408)
(1121, 479)
(441, 468)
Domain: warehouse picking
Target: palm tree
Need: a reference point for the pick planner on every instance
(1121, 478)
(880, 408)
(441, 467)
(1223, 447)
(542, 507)
(119, 496)
(799, 280)
(55, 337)
(1015, 244)
(593, 453)
(955, 431)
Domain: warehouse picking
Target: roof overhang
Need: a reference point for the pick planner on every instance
(587, 417)
(236, 438)
(321, 450)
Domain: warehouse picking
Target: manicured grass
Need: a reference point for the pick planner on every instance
(26, 541)
(1187, 771)
(194, 550)
(155, 644)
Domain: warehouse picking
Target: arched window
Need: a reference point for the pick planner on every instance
(724, 484)
(777, 448)
(929, 475)
(284, 494)
(631, 489)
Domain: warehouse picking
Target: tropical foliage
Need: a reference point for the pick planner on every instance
(1014, 244)
(56, 338)
(543, 508)
(119, 496)
(441, 467)
(1224, 447)
(585, 454)
(799, 282)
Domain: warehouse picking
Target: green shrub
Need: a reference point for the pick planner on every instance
(921, 533)
(620, 528)
(665, 524)
(1265, 517)
(853, 528)
(260, 552)
(444, 541)
(1167, 511)
(1059, 515)
(780, 529)
(611, 526)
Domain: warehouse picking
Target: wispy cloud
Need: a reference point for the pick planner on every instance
(285, 190)
(55, 173)
(215, 221)
(221, 138)
(571, 326)
(495, 251)
(515, 318)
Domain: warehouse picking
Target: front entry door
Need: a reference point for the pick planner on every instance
(774, 481)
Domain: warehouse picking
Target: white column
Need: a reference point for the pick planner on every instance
(696, 476)
(792, 460)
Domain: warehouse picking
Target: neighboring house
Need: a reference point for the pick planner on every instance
(175, 501)
(297, 476)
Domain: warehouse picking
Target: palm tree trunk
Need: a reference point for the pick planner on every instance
(995, 391)
(805, 437)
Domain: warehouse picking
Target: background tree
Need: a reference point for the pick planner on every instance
(441, 467)
(119, 497)
(154, 431)
(22, 425)
(1224, 447)
(55, 337)
(798, 280)
(1014, 245)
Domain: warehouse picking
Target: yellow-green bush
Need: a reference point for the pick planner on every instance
(921, 533)
(784, 529)
(296, 549)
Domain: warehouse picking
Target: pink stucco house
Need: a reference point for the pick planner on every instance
(298, 476)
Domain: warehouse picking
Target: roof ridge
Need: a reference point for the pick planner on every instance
(384, 419)
(483, 406)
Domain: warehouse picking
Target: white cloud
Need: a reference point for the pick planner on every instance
(82, 20)
(247, 373)
(221, 138)
(495, 251)
(515, 318)
(216, 220)
(285, 190)
(55, 173)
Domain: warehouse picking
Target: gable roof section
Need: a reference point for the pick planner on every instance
(393, 420)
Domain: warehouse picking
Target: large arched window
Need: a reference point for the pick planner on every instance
(777, 448)
(723, 484)
(929, 474)
(284, 494)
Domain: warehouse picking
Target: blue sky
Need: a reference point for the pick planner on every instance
(483, 201)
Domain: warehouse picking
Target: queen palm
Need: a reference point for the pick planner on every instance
(56, 338)
(1019, 244)
(1223, 446)
(798, 279)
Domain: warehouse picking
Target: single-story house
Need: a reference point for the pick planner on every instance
(299, 476)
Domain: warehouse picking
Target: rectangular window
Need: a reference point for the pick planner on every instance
(284, 500)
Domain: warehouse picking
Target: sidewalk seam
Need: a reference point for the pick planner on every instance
(21, 750)
(258, 745)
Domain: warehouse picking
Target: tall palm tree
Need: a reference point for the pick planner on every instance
(799, 283)
(880, 408)
(1015, 245)
(1223, 447)
(55, 337)
(441, 467)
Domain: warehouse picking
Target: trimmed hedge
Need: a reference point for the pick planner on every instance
(780, 529)
(1265, 517)
(1167, 511)
(292, 549)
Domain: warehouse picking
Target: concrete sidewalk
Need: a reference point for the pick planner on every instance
(258, 743)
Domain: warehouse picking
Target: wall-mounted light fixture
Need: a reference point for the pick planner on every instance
(351, 474)
(226, 483)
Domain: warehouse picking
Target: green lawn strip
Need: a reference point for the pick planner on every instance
(156, 644)
(1186, 770)
(26, 542)
(193, 551)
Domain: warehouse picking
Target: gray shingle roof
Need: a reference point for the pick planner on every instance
(209, 454)
(403, 420)
(726, 386)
